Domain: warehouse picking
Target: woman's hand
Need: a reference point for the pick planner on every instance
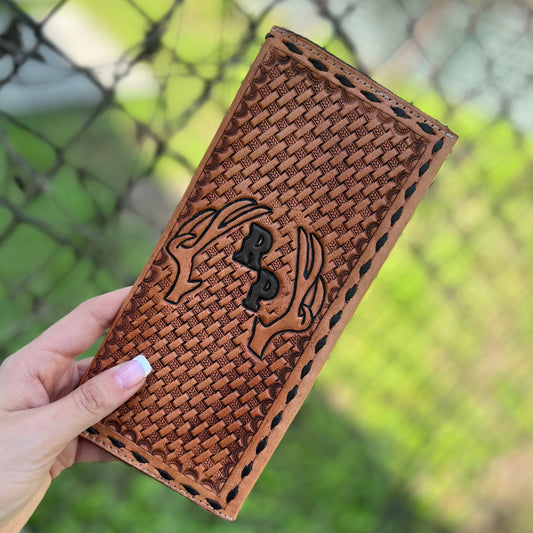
(42, 411)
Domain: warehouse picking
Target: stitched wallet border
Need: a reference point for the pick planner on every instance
(307, 185)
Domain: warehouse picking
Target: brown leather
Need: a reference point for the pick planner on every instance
(300, 197)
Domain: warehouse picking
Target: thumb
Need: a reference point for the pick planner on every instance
(95, 399)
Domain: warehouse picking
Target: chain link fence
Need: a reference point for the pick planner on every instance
(106, 108)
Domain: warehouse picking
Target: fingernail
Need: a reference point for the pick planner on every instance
(131, 373)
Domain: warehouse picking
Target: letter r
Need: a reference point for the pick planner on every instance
(254, 246)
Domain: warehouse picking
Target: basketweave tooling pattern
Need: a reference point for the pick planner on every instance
(320, 157)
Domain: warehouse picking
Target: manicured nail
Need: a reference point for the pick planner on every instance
(131, 373)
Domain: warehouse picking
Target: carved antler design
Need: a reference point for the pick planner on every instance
(200, 231)
(307, 298)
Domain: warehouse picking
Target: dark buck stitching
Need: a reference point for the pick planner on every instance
(261, 446)
(187, 489)
(321, 343)
(365, 268)
(276, 420)
(263, 443)
(345, 81)
(116, 442)
(398, 111)
(381, 241)
(423, 169)
(334, 319)
(191, 490)
(396, 216)
(291, 394)
(232, 494)
(437, 146)
(350, 293)
(246, 470)
(291, 43)
(214, 504)
(165, 474)
(410, 190)
(292, 47)
(318, 64)
(370, 96)
(306, 369)
(426, 127)
(139, 457)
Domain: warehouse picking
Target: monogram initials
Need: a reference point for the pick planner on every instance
(308, 290)
(254, 247)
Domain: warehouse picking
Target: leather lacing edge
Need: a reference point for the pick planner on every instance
(189, 491)
(397, 108)
(142, 463)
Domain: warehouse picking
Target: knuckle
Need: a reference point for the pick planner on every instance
(90, 398)
(89, 310)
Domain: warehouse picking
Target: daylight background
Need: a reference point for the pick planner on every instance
(422, 420)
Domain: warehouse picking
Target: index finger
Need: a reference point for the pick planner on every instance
(77, 331)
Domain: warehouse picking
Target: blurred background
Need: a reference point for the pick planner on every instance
(422, 420)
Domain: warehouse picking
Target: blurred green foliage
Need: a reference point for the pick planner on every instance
(423, 412)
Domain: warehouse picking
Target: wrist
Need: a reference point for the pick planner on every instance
(14, 523)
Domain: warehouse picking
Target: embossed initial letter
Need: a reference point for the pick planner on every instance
(265, 287)
(254, 246)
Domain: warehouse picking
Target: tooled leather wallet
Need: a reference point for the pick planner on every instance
(308, 183)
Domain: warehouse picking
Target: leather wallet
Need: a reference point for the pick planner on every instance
(308, 183)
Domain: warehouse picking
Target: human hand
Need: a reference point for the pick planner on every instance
(42, 412)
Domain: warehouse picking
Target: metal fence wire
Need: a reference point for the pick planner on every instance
(106, 108)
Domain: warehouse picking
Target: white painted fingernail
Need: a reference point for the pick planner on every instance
(133, 372)
(147, 367)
